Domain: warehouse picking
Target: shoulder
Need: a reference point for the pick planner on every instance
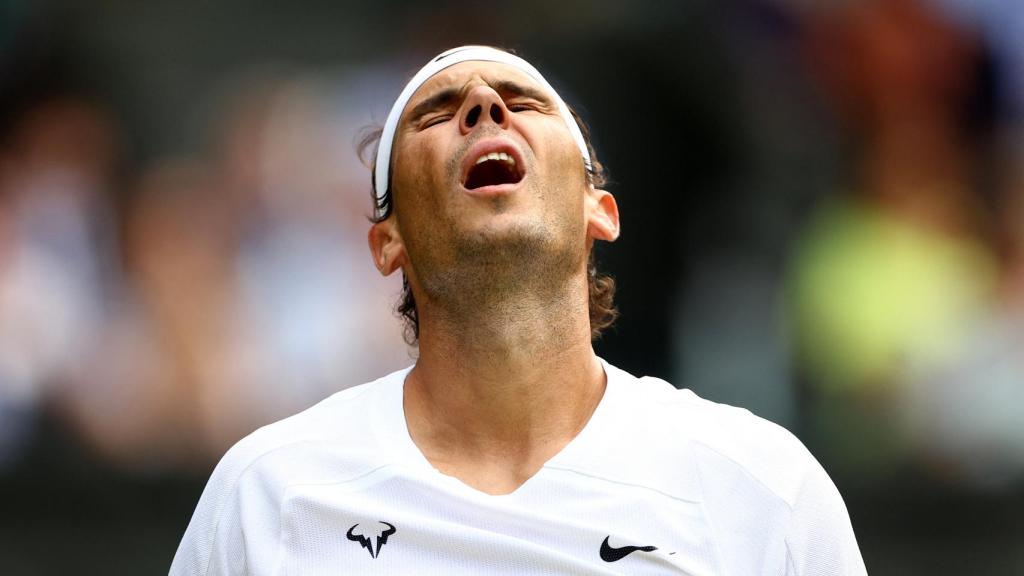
(338, 436)
(348, 428)
(763, 491)
(336, 418)
(719, 440)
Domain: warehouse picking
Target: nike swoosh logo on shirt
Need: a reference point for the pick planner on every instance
(609, 554)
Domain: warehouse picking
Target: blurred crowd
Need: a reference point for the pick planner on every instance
(161, 315)
(906, 288)
(891, 336)
(161, 310)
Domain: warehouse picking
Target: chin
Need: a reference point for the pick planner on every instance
(509, 229)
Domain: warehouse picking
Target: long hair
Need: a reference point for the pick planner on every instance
(600, 287)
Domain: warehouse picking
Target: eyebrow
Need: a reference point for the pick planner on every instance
(442, 98)
(512, 88)
(448, 95)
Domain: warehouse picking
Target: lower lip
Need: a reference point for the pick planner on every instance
(493, 191)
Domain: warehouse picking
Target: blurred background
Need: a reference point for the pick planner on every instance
(823, 222)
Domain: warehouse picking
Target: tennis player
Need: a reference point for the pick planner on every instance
(510, 447)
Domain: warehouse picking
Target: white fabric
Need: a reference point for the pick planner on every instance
(717, 490)
(445, 60)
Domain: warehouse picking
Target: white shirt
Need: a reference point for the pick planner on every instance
(698, 488)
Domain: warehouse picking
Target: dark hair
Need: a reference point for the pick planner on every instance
(601, 287)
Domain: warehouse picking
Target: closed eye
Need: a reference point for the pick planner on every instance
(436, 120)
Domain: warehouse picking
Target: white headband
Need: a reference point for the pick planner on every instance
(442, 61)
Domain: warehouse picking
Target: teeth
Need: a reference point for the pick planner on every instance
(496, 156)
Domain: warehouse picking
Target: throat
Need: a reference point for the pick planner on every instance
(497, 475)
(505, 317)
(495, 432)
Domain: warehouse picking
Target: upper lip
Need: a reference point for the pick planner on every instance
(486, 146)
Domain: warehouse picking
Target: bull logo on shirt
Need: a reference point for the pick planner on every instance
(373, 537)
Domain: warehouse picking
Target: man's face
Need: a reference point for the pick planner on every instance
(449, 198)
(489, 192)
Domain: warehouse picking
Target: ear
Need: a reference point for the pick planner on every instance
(602, 215)
(386, 246)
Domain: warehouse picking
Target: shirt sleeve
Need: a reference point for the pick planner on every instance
(213, 542)
(820, 539)
(235, 528)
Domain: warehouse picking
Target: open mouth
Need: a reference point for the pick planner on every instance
(493, 169)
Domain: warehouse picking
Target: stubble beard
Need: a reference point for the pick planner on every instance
(524, 267)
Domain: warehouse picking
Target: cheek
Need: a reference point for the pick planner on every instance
(567, 161)
(566, 171)
(415, 177)
(571, 180)
(421, 193)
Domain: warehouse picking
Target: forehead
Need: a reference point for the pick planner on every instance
(465, 75)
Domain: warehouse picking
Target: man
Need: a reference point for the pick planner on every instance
(509, 448)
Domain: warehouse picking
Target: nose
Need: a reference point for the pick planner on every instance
(481, 105)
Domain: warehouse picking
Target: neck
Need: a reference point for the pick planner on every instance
(497, 392)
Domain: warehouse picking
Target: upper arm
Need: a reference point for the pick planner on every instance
(213, 543)
(820, 538)
(235, 528)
